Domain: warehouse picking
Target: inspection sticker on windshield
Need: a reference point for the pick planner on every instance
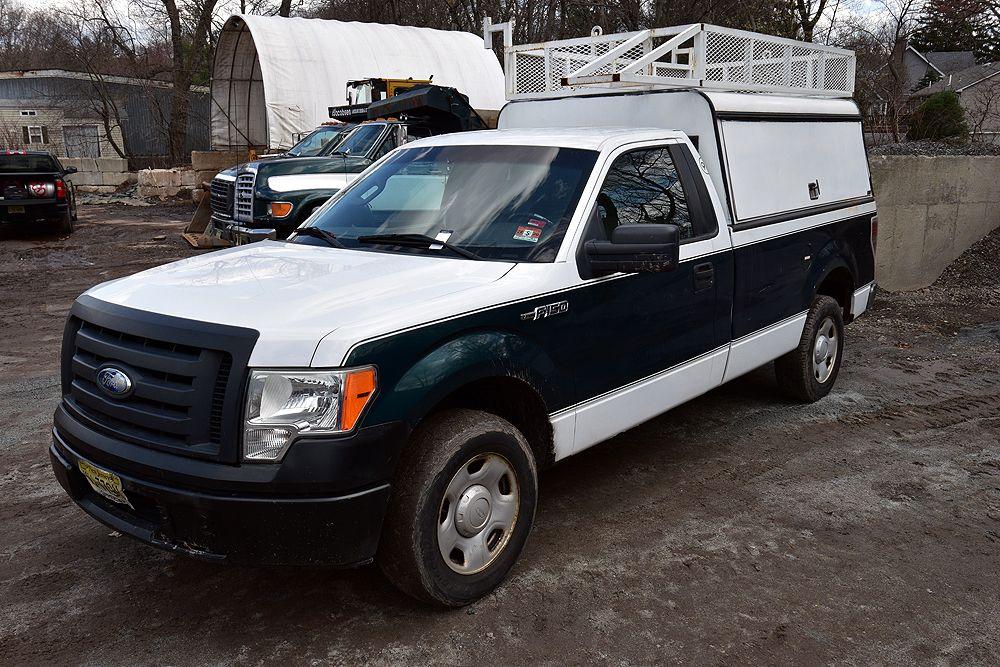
(529, 234)
(443, 237)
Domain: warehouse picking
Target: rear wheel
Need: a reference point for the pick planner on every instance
(808, 372)
(65, 224)
(462, 507)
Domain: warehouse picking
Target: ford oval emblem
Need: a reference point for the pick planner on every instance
(114, 382)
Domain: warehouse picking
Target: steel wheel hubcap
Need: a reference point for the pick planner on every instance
(477, 514)
(825, 350)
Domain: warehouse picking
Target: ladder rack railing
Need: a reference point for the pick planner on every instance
(689, 56)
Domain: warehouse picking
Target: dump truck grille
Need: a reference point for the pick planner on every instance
(185, 398)
(222, 198)
(243, 210)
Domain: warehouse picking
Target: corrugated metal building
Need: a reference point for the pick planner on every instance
(75, 115)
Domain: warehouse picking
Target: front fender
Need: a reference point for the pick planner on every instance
(410, 391)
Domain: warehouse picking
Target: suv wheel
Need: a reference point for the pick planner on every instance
(808, 372)
(463, 504)
(65, 224)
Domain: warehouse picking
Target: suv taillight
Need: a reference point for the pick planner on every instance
(874, 234)
(60, 189)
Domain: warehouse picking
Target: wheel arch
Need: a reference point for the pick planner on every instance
(498, 372)
(513, 399)
(835, 275)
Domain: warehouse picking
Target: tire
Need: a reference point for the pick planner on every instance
(65, 224)
(428, 501)
(801, 373)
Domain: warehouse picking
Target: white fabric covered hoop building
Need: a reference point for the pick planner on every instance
(274, 76)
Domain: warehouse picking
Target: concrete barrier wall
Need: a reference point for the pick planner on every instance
(101, 174)
(165, 183)
(931, 209)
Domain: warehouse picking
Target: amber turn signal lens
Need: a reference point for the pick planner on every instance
(358, 389)
(279, 209)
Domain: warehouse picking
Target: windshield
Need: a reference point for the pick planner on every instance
(12, 164)
(508, 203)
(360, 140)
(317, 140)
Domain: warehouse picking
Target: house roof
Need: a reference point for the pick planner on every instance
(924, 58)
(83, 76)
(961, 80)
(950, 62)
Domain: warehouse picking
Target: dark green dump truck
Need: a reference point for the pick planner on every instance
(268, 198)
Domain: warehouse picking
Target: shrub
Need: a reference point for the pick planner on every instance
(940, 117)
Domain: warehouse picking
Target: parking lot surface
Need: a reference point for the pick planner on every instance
(740, 527)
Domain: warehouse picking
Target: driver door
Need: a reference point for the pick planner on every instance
(635, 329)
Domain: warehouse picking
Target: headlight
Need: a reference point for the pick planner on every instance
(282, 405)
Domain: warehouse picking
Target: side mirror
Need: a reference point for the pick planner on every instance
(649, 248)
(69, 170)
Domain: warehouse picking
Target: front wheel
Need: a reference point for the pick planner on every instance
(808, 372)
(463, 504)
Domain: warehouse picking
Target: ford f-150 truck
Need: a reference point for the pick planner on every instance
(388, 382)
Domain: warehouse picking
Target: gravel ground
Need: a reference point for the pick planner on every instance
(928, 147)
(864, 529)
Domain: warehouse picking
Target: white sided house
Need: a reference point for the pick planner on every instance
(274, 77)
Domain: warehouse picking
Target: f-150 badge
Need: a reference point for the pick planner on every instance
(548, 310)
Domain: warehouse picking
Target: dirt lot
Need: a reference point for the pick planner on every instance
(862, 529)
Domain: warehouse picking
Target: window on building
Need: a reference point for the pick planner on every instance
(36, 134)
(82, 140)
(29, 112)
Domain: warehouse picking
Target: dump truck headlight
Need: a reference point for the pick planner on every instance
(282, 405)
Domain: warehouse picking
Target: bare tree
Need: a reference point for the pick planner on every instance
(879, 41)
(982, 109)
(11, 136)
(808, 13)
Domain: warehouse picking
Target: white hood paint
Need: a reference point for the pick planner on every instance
(292, 182)
(294, 294)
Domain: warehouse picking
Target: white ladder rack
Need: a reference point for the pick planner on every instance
(688, 56)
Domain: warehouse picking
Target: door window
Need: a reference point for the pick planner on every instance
(643, 186)
(387, 145)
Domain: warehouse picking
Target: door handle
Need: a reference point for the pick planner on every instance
(704, 276)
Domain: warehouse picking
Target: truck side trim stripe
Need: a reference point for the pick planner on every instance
(589, 283)
(800, 213)
(745, 237)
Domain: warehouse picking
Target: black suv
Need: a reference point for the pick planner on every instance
(34, 189)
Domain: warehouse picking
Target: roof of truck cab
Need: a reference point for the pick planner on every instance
(589, 138)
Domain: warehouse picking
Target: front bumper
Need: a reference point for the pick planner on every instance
(240, 234)
(307, 509)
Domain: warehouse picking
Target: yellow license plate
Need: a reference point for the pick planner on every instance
(15, 209)
(105, 483)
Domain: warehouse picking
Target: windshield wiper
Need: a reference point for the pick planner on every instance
(320, 233)
(416, 241)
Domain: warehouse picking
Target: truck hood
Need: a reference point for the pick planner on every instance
(295, 294)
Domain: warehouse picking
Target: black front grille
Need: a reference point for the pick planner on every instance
(222, 198)
(186, 397)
